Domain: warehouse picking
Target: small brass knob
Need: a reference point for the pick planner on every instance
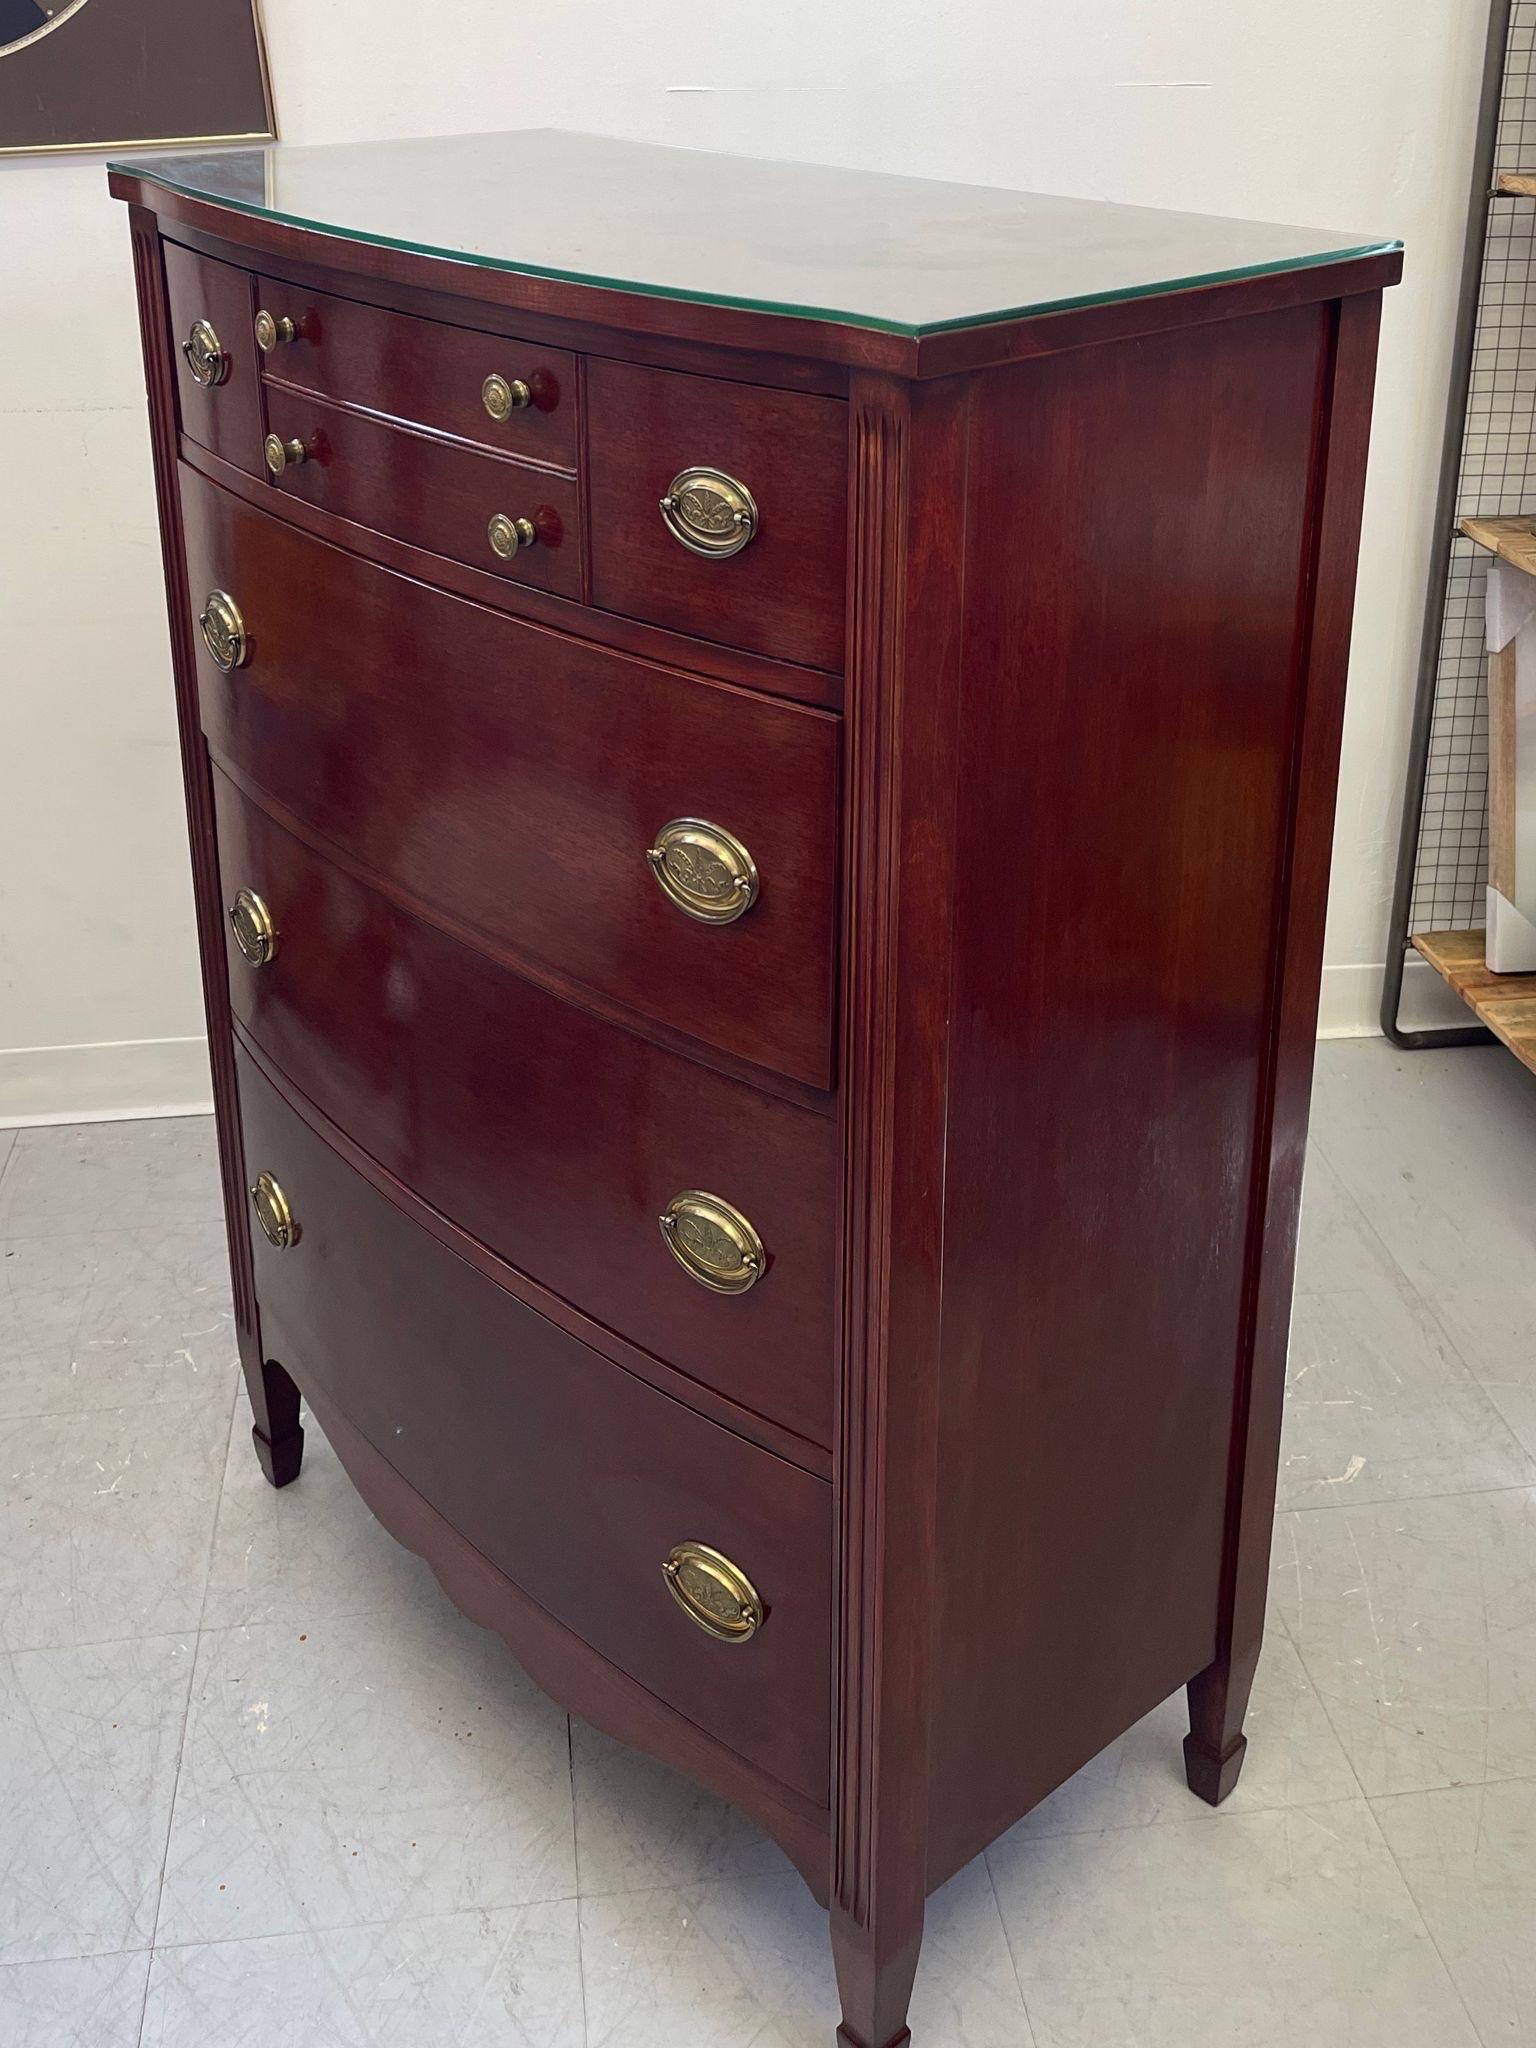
(270, 330)
(206, 360)
(714, 1593)
(282, 454)
(251, 922)
(713, 1242)
(279, 1226)
(709, 512)
(223, 631)
(506, 535)
(704, 870)
(502, 397)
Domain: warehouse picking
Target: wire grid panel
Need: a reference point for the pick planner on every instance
(1497, 476)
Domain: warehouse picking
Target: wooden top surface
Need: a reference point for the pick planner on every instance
(1512, 539)
(1506, 1003)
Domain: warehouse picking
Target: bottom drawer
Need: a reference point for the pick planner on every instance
(573, 1477)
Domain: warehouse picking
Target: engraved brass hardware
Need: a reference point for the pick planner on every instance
(282, 454)
(278, 1223)
(714, 1593)
(272, 329)
(506, 535)
(223, 631)
(713, 1242)
(251, 922)
(502, 397)
(709, 512)
(705, 870)
(205, 358)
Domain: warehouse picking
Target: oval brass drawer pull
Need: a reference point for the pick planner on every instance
(704, 870)
(714, 1593)
(279, 1226)
(713, 1242)
(223, 630)
(255, 933)
(283, 454)
(206, 360)
(506, 535)
(271, 329)
(502, 396)
(709, 512)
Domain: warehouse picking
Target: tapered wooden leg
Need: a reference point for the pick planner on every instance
(277, 1434)
(875, 1969)
(1215, 1745)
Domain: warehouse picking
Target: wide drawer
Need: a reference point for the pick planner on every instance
(572, 1476)
(516, 397)
(556, 1139)
(218, 388)
(508, 517)
(751, 550)
(513, 779)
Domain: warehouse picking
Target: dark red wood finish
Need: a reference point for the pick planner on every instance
(1096, 630)
(224, 417)
(782, 595)
(511, 779)
(424, 371)
(553, 1137)
(533, 1439)
(433, 493)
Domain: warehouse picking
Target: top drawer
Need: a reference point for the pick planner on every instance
(513, 396)
(751, 551)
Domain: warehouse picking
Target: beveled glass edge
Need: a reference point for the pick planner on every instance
(872, 323)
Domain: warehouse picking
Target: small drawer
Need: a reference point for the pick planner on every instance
(557, 1139)
(573, 1477)
(515, 397)
(751, 548)
(519, 783)
(217, 384)
(516, 520)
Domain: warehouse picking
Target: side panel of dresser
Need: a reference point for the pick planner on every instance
(1161, 569)
(274, 1398)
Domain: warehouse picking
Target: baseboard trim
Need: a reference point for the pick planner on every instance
(1350, 1003)
(89, 1084)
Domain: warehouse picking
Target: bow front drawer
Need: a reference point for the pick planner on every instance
(667, 843)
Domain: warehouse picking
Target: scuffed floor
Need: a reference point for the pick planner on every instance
(261, 1788)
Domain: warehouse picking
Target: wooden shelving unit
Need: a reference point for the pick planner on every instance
(1506, 1003)
(1517, 184)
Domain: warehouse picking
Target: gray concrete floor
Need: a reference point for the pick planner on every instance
(260, 1785)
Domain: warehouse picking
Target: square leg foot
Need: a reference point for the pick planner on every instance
(1211, 1776)
(901, 2040)
(280, 1461)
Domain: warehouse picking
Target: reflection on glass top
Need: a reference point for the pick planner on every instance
(906, 255)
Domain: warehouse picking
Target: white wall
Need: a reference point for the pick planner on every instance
(1355, 116)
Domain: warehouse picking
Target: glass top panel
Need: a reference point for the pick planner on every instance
(905, 255)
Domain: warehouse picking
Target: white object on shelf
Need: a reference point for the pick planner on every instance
(1511, 617)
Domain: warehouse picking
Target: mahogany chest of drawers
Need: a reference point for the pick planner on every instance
(760, 754)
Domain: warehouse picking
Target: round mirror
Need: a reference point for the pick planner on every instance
(23, 21)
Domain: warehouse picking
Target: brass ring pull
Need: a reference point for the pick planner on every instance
(251, 922)
(709, 512)
(715, 1594)
(279, 1226)
(503, 396)
(713, 1242)
(283, 454)
(206, 360)
(704, 870)
(223, 631)
(507, 535)
(272, 329)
